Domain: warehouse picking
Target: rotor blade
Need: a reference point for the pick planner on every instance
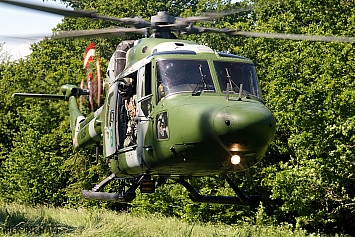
(180, 23)
(24, 37)
(110, 32)
(212, 15)
(136, 22)
(40, 96)
(292, 36)
(197, 30)
(53, 10)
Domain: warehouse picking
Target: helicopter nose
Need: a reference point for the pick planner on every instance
(244, 128)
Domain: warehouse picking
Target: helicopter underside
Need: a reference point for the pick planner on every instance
(204, 159)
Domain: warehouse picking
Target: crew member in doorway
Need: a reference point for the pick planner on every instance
(127, 90)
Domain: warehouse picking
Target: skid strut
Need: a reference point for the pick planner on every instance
(240, 199)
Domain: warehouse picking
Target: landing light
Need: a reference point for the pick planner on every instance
(235, 159)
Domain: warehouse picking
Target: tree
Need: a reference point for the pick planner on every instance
(310, 88)
(3, 55)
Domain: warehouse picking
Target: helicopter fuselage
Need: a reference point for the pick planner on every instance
(192, 112)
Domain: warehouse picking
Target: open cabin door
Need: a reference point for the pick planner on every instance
(117, 120)
(113, 117)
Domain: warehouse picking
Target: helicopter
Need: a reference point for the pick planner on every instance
(172, 108)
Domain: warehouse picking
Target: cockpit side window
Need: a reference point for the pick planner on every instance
(174, 76)
(238, 76)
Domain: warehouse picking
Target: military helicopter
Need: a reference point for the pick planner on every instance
(173, 109)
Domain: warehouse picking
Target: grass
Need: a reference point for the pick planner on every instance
(20, 220)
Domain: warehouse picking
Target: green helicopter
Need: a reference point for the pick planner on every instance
(172, 109)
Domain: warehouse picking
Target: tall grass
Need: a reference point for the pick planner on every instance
(20, 220)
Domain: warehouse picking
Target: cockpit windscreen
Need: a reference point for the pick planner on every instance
(184, 76)
(239, 77)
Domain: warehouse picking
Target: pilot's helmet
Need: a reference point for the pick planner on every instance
(126, 86)
(169, 70)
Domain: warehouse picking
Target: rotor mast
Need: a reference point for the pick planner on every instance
(159, 24)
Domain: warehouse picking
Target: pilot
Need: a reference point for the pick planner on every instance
(161, 92)
(166, 76)
(169, 71)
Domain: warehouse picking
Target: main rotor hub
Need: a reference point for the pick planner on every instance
(163, 18)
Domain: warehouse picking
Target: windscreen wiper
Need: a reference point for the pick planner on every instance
(230, 84)
(202, 84)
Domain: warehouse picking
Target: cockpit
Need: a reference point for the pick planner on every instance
(195, 76)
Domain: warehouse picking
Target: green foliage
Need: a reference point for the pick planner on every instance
(310, 88)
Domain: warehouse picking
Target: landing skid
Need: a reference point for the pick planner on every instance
(147, 186)
(123, 196)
